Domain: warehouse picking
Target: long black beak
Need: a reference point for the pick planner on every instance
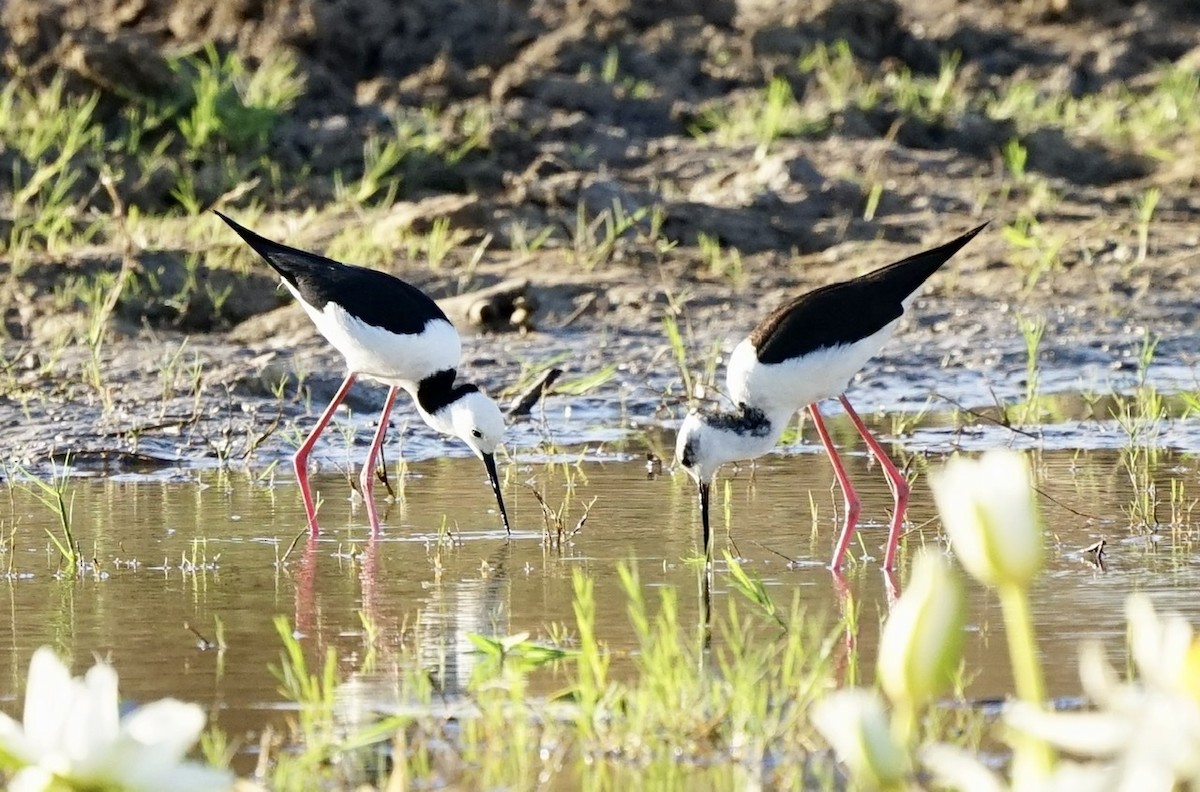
(704, 520)
(489, 462)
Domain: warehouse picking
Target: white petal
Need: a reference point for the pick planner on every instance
(13, 742)
(152, 742)
(1142, 775)
(1077, 777)
(92, 726)
(987, 509)
(953, 767)
(1145, 636)
(921, 643)
(854, 722)
(48, 693)
(185, 777)
(1173, 654)
(1100, 681)
(31, 779)
(1098, 734)
(169, 726)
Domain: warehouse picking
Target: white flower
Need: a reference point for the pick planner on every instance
(1148, 731)
(922, 640)
(987, 507)
(854, 722)
(955, 768)
(73, 736)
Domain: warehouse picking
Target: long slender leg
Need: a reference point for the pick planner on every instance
(300, 461)
(897, 483)
(366, 479)
(853, 504)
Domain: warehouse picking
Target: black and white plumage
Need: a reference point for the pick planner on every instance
(391, 332)
(805, 351)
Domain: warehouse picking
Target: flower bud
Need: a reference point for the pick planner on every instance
(921, 645)
(854, 722)
(987, 507)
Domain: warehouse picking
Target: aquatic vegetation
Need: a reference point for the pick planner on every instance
(855, 723)
(74, 737)
(922, 642)
(1149, 729)
(55, 494)
(987, 507)
(1144, 733)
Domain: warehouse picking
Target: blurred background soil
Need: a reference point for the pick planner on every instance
(570, 118)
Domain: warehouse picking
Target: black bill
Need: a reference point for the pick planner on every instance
(489, 462)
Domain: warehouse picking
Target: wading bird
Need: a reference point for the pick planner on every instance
(391, 332)
(805, 351)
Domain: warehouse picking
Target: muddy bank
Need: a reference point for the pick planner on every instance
(172, 402)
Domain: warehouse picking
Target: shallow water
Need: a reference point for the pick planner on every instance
(188, 548)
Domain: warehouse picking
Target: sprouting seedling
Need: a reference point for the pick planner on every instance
(168, 373)
(1032, 330)
(1146, 205)
(517, 649)
(874, 196)
(751, 587)
(679, 351)
(56, 495)
(1146, 355)
(1016, 157)
(312, 690)
(438, 242)
(380, 159)
(594, 242)
(721, 263)
(611, 68)
(521, 241)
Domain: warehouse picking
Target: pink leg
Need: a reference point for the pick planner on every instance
(366, 480)
(300, 461)
(897, 483)
(853, 504)
(891, 587)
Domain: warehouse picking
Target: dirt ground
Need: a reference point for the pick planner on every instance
(795, 215)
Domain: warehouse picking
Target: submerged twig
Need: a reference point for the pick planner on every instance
(291, 547)
(556, 532)
(205, 643)
(984, 416)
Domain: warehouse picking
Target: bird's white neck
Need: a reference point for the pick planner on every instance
(440, 421)
(736, 435)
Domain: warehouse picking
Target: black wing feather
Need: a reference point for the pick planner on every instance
(843, 313)
(375, 297)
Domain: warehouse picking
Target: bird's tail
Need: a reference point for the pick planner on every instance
(285, 260)
(907, 275)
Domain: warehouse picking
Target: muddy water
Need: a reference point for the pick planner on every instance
(188, 549)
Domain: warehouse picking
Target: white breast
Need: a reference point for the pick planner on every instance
(793, 384)
(392, 358)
